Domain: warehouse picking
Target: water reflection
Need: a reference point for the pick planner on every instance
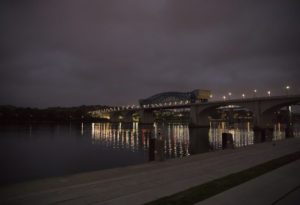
(118, 136)
(133, 137)
(242, 134)
(279, 132)
(178, 140)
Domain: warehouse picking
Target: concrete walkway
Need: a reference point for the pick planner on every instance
(146, 182)
(281, 186)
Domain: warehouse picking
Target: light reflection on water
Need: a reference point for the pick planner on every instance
(135, 138)
(43, 150)
(242, 134)
(178, 139)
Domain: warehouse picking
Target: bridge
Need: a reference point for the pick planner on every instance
(263, 108)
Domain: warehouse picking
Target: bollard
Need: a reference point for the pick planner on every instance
(227, 141)
(289, 132)
(152, 149)
(159, 150)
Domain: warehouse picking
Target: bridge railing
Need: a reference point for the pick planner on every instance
(187, 103)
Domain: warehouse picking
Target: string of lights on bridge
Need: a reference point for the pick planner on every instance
(255, 91)
(186, 102)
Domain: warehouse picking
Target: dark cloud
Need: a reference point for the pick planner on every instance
(116, 52)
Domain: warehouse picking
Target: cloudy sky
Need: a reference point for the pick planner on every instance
(114, 52)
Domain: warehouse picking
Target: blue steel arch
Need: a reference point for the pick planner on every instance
(168, 97)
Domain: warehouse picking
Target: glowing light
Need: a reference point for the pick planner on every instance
(269, 93)
(224, 97)
(287, 89)
(243, 95)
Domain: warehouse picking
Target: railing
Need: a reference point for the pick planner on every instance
(182, 104)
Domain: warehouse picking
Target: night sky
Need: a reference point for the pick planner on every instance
(69, 53)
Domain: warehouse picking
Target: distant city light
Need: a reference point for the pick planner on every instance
(243, 95)
(269, 93)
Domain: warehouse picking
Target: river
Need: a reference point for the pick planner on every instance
(31, 151)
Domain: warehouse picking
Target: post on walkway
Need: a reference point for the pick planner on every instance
(227, 141)
(289, 124)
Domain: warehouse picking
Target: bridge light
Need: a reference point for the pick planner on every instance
(269, 93)
(254, 92)
(243, 96)
(287, 89)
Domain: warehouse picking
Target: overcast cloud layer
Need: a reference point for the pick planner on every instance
(66, 53)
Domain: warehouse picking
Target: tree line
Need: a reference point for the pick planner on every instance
(10, 113)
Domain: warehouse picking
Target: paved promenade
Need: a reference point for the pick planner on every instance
(142, 183)
(280, 186)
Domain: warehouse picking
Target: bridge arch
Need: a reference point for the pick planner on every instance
(262, 108)
(166, 98)
(201, 114)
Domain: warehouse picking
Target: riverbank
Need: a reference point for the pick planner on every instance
(147, 182)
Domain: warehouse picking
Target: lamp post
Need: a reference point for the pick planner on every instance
(243, 96)
(224, 97)
(269, 93)
(287, 89)
(254, 92)
(229, 94)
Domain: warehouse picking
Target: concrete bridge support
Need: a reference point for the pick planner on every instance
(199, 115)
(146, 117)
(127, 118)
(114, 117)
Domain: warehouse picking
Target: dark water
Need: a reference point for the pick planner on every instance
(46, 150)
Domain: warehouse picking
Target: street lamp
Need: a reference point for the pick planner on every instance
(287, 89)
(254, 92)
(243, 96)
(229, 95)
(224, 97)
(269, 93)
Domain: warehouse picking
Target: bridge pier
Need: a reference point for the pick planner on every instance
(127, 118)
(198, 117)
(199, 144)
(146, 117)
(114, 118)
